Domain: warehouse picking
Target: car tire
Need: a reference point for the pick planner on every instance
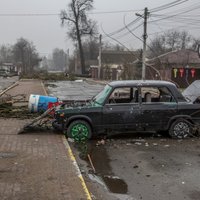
(79, 130)
(181, 128)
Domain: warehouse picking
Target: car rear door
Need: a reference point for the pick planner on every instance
(157, 112)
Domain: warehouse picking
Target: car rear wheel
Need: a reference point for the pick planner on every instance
(181, 128)
(79, 130)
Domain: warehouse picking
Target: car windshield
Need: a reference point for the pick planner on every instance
(100, 97)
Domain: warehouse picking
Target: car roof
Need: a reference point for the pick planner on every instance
(124, 83)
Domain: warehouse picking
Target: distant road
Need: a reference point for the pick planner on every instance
(72, 90)
(6, 82)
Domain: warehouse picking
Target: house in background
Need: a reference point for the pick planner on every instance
(113, 64)
(181, 67)
(8, 69)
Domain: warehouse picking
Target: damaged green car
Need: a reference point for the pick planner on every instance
(131, 106)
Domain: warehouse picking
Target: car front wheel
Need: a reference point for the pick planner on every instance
(79, 130)
(180, 128)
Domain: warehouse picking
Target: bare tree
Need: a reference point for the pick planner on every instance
(59, 59)
(79, 24)
(91, 49)
(185, 39)
(195, 43)
(26, 55)
(45, 63)
(173, 39)
(169, 41)
(6, 54)
(157, 46)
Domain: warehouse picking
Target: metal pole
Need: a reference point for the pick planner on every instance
(100, 49)
(144, 44)
(67, 61)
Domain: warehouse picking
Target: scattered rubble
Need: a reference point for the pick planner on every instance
(100, 142)
(155, 144)
(146, 144)
(138, 143)
(12, 106)
(70, 140)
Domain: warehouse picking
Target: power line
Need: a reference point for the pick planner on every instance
(164, 6)
(29, 15)
(131, 52)
(182, 19)
(133, 29)
(57, 14)
(192, 23)
(179, 17)
(123, 28)
(98, 12)
(125, 25)
(167, 6)
(159, 32)
(171, 16)
(114, 12)
(182, 9)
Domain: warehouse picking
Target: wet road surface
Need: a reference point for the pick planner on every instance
(73, 90)
(141, 168)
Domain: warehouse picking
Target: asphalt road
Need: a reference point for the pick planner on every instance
(134, 167)
(73, 90)
(141, 168)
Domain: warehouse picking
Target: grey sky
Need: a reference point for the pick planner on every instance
(46, 33)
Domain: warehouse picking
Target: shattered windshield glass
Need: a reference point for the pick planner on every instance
(192, 92)
(100, 98)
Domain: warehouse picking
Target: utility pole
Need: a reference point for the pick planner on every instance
(100, 50)
(144, 42)
(198, 50)
(67, 61)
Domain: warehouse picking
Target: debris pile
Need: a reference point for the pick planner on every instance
(42, 121)
(12, 106)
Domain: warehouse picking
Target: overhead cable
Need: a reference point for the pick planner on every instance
(167, 6)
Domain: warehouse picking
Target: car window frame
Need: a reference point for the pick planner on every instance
(123, 103)
(157, 102)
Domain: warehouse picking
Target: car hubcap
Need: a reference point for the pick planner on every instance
(79, 132)
(181, 129)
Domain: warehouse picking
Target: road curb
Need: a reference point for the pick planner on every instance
(96, 81)
(73, 159)
(43, 86)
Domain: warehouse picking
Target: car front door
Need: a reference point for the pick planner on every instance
(122, 110)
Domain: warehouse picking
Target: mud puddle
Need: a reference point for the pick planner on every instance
(100, 170)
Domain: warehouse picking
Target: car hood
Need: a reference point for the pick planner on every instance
(192, 92)
(78, 107)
